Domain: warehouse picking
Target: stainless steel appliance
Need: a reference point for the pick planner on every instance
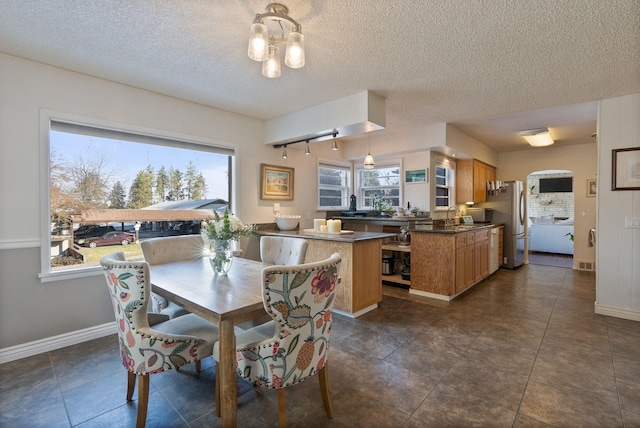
(494, 250)
(510, 210)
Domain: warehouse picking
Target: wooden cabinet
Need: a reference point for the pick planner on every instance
(447, 264)
(465, 255)
(481, 255)
(471, 180)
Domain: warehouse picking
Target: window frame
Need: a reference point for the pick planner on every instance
(386, 163)
(443, 162)
(47, 117)
(332, 163)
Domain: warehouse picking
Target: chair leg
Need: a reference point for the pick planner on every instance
(143, 400)
(198, 366)
(131, 385)
(282, 409)
(218, 412)
(323, 377)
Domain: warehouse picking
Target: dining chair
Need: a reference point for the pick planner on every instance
(283, 250)
(170, 249)
(294, 345)
(145, 350)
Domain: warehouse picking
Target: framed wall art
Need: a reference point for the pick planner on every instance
(276, 182)
(416, 176)
(625, 169)
(592, 188)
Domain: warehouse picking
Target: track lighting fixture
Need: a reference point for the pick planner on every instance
(334, 145)
(284, 152)
(306, 149)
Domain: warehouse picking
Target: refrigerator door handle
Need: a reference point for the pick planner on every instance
(521, 207)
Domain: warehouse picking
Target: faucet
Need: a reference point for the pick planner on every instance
(456, 212)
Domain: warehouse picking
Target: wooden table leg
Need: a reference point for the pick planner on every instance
(229, 393)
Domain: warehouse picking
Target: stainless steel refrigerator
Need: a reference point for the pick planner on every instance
(510, 209)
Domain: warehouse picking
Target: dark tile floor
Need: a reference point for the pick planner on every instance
(521, 349)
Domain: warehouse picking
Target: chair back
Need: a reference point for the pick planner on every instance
(300, 301)
(285, 251)
(142, 349)
(172, 249)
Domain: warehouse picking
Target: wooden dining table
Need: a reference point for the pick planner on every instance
(223, 300)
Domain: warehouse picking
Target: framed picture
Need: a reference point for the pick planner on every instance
(592, 188)
(416, 176)
(625, 169)
(276, 182)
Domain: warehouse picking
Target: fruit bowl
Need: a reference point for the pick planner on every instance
(287, 222)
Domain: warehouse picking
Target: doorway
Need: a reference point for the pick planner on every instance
(550, 218)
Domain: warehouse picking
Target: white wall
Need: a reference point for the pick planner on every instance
(31, 310)
(618, 248)
(581, 159)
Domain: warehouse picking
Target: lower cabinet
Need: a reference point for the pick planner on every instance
(448, 264)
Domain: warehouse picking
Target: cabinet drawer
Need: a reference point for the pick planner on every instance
(482, 235)
(464, 239)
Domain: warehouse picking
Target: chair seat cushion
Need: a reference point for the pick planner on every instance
(192, 325)
(256, 334)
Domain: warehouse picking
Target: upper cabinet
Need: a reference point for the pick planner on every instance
(471, 180)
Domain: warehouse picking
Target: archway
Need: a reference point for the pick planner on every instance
(550, 222)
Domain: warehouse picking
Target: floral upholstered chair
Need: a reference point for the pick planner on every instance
(145, 350)
(170, 249)
(282, 250)
(294, 346)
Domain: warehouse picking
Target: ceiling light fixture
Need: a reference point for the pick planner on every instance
(334, 145)
(264, 48)
(537, 137)
(284, 152)
(368, 160)
(333, 133)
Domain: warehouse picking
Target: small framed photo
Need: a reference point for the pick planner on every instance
(416, 176)
(625, 169)
(592, 188)
(276, 182)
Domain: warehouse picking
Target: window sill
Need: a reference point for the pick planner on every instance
(63, 275)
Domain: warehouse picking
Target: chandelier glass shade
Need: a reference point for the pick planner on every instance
(264, 46)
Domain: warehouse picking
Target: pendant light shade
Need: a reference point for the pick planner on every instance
(284, 152)
(258, 42)
(271, 67)
(368, 162)
(294, 57)
(306, 149)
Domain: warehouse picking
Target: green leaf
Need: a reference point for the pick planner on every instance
(294, 343)
(177, 360)
(124, 276)
(299, 279)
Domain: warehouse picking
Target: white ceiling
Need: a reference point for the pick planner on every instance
(491, 68)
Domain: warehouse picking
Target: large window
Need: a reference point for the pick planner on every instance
(382, 181)
(104, 174)
(444, 183)
(334, 185)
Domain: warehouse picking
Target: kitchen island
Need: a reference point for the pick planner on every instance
(448, 260)
(360, 288)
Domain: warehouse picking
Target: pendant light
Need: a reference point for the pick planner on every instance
(306, 149)
(284, 152)
(368, 160)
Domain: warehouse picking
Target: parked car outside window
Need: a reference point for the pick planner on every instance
(91, 231)
(110, 238)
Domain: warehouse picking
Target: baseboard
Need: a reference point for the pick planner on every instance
(358, 313)
(431, 295)
(617, 312)
(56, 342)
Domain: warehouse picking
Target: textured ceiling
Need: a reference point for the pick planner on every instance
(490, 67)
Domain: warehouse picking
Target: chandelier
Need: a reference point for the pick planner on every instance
(264, 47)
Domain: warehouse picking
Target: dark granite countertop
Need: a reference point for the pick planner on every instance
(343, 237)
(458, 228)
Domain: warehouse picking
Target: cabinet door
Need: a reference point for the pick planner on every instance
(481, 260)
(464, 181)
(479, 181)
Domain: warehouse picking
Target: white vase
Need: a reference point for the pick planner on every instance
(220, 256)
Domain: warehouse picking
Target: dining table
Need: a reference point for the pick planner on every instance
(225, 300)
